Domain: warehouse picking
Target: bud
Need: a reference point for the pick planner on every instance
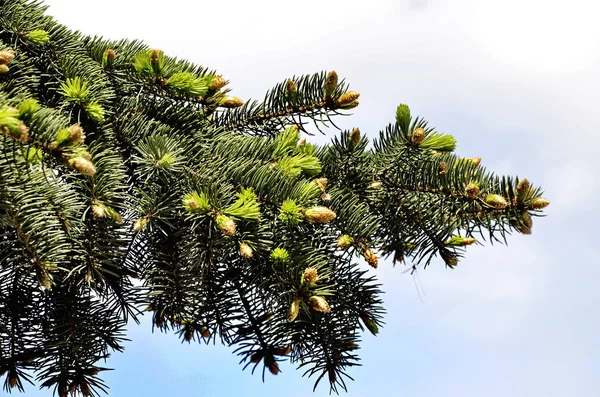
(256, 357)
(524, 223)
(292, 88)
(319, 214)
(496, 201)
(282, 351)
(294, 310)
(331, 375)
(246, 251)
(155, 57)
(204, 332)
(403, 115)
(140, 224)
(355, 136)
(271, 364)
(230, 102)
(12, 378)
(319, 304)
(108, 58)
(4, 69)
(280, 255)
(217, 82)
(6, 57)
(443, 167)
(348, 98)
(417, 136)
(448, 257)
(345, 241)
(331, 82)
(226, 224)
(309, 275)
(472, 191)
(289, 213)
(302, 142)
(350, 105)
(76, 134)
(321, 183)
(82, 165)
(474, 160)
(538, 203)
(95, 112)
(459, 241)
(369, 323)
(38, 36)
(23, 134)
(98, 209)
(370, 257)
(375, 185)
(523, 190)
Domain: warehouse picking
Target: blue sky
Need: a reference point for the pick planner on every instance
(517, 82)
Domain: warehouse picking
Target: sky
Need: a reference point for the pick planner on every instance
(517, 82)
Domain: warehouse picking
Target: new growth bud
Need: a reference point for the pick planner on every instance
(246, 251)
(345, 241)
(417, 136)
(309, 275)
(217, 82)
(538, 203)
(370, 257)
(348, 98)
(226, 224)
(230, 102)
(319, 214)
(472, 191)
(355, 137)
(294, 309)
(496, 201)
(331, 82)
(319, 304)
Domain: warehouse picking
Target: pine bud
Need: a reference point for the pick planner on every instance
(23, 132)
(6, 57)
(155, 56)
(496, 201)
(449, 258)
(370, 257)
(76, 134)
(319, 214)
(345, 241)
(282, 351)
(375, 185)
(230, 102)
(443, 167)
(294, 310)
(108, 58)
(348, 98)
(331, 375)
(326, 197)
(82, 165)
(246, 251)
(523, 190)
(225, 224)
(355, 137)
(204, 332)
(271, 364)
(538, 203)
(350, 105)
(302, 142)
(4, 69)
(98, 209)
(474, 160)
(140, 224)
(309, 275)
(417, 136)
(280, 255)
(217, 82)
(256, 357)
(95, 112)
(472, 191)
(524, 223)
(369, 323)
(321, 183)
(331, 82)
(38, 36)
(458, 241)
(319, 304)
(403, 115)
(12, 378)
(292, 88)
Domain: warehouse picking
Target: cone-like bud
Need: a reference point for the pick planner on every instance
(12, 378)
(230, 102)
(38, 36)
(294, 310)
(76, 134)
(403, 115)
(331, 82)
(217, 82)
(369, 323)
(292, 88)
(475, 160)
(348, 98)
(321, 183)
(4, 69)
(98, 209)
(326, 197)
(108, 58)
(370, 257)
(309, 275)
(140, 224)
(375, 185)
(350, 105)
(345, 241)
(448, 257)
(302, 142)
(256, 357)
(331, 375)
(226, 224)
(538, 203)
(282, 351)
(496, 201)
(523, 190)
(319, 304)
(280, 255)
(355, 136)
(82, 165)
(6, 57)
(472, 191)
(271, 364)
(443, 167)
(417, 136)
(458, 241)
(246, 251)
(319, 214)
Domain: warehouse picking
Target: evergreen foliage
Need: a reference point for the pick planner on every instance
(132, 181)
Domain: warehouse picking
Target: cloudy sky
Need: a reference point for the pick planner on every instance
(517, 82)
